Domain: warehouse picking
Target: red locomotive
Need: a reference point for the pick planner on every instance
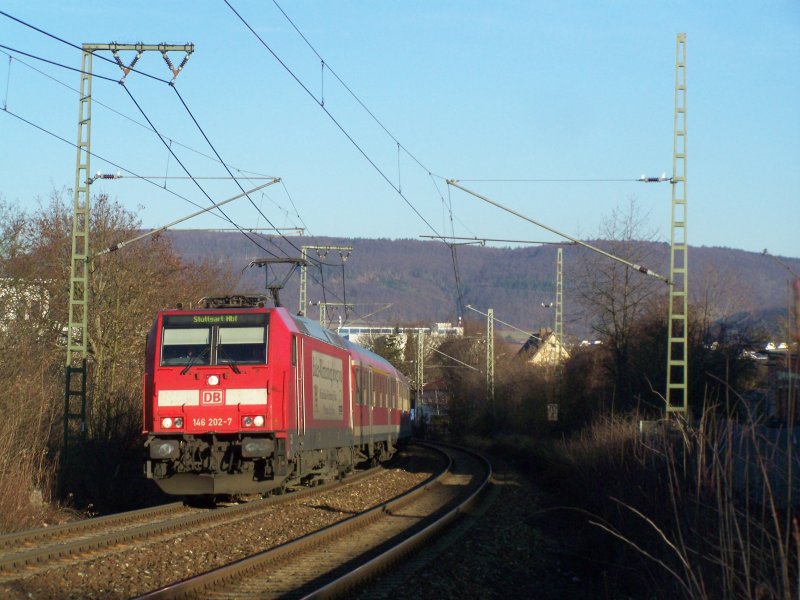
(240, 398)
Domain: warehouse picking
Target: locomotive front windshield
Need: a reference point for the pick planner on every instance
(219, 339)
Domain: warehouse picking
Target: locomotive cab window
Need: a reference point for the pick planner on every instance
(185, 346)
(241, 345)
(224, 339)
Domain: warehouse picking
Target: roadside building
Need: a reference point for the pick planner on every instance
(544, 349)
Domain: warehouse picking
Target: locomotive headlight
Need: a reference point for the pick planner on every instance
(178, 422)
(213, 380)
(164, 449)
(258, 421)
(166, 422)
(248, 421)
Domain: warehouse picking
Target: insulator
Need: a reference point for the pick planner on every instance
(166, 59)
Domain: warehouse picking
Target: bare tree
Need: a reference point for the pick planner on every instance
(616, 296)
(127, 288)
(392, 347)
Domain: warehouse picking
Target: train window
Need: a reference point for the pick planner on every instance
(241, 345)
(359, 386)
(370, 390)
(186, 346)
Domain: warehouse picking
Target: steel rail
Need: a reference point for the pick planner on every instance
(77, 527)
(382, 562)
(205, 582)
(60, 549)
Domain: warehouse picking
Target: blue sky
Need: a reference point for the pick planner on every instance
(470, 90)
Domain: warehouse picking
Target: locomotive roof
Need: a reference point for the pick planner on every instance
(313, 329)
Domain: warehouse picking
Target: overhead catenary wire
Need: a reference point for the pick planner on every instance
(481, 240)
(617, 180)
(528, 333)
(321, 103)
(172, 153)
(54, 63)
(100, 157)
(350, 91)
(40, 128)
(185, 177)
(118, 113)
(122, 82)
(77, 47)
(208, 141)
(283, 237)
(331, 117)
(151, 127)
(460, 362)
(118, 245)
(358, 147)
(126, 89)
(197, 184)
(634, 266)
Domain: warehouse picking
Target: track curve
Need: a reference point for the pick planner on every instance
(332, 561)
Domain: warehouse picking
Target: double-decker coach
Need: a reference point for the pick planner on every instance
(242, 398)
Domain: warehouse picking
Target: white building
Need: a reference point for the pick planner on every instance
(361, 334)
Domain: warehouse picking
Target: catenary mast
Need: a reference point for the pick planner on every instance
(677, 392)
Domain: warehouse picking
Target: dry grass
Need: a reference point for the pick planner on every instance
(27, 473)
(701, 509)
(711, 505)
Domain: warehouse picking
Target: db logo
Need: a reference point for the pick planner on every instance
(215, 397)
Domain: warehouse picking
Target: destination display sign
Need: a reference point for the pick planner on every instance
(215, 319)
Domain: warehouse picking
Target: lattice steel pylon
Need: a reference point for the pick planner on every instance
(80, 267)
(490, 358)
(344, 252)
(419, 376)
(677, 393)
(558, 328)
(77, 322)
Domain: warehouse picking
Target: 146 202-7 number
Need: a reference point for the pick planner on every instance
(212, 422)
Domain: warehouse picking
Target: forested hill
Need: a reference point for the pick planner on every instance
(417, 278)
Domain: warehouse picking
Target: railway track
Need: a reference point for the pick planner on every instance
(124, 555)
(337, 559)
(34, 546)
(40, 549)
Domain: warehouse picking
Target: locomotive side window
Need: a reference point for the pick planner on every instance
(185, 346)
(241, 345)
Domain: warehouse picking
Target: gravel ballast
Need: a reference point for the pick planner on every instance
(138, 568)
